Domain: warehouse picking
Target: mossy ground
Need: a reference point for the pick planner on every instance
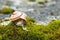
(36, 32)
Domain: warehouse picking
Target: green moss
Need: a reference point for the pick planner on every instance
(32, 0)
(6, 10)
(40, 2)
(36, 32)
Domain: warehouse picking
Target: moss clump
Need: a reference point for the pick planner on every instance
(32, 0)
(36, 32)
(41, 3)
(6, 10)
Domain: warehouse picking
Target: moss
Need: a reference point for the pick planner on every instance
(32, 0)
(40, 2)
(36, 32)
(6, 10)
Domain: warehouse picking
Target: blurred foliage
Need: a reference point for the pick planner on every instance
(6, 10)
(0, 11)
(32, 0)
(46, 1)
(40, 2)
(36, 32)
